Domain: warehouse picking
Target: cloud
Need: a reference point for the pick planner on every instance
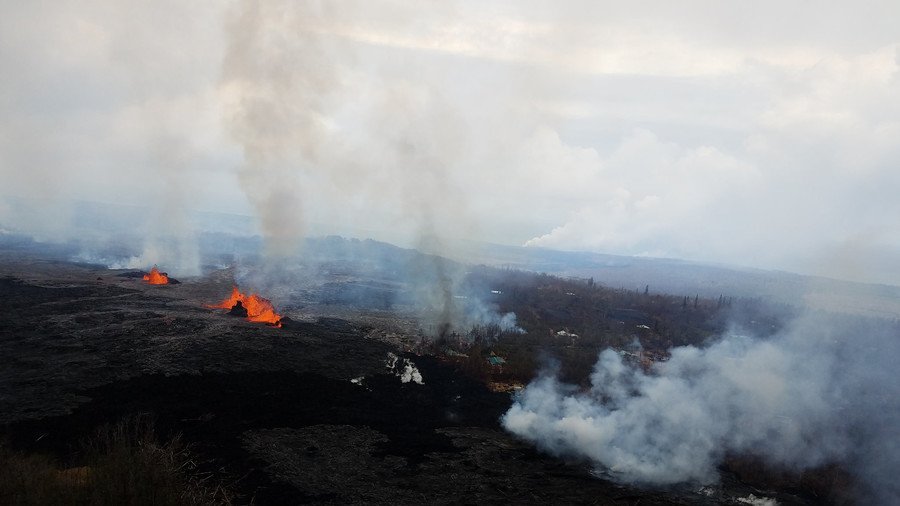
(708, 131)
(656, 197)
(790, 181)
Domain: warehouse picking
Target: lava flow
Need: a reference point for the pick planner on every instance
(258, 309)
(156, 278)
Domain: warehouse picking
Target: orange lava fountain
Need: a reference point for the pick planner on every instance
(258, 308)
(156, 278)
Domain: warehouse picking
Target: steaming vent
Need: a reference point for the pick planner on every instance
(404, 369)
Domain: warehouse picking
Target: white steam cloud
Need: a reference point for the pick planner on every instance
(404, 369)
(819, 392)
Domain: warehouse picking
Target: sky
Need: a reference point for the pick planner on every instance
(763, 134)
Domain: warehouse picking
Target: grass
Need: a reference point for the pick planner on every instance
(120, 464)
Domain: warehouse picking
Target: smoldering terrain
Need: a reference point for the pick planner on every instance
(373, 392)
(381, 383)
(308, 413)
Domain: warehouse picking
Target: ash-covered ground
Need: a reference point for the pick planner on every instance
(316, 412)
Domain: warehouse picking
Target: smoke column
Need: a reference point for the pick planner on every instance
(322, 116)
(823, 391)
(275, 85)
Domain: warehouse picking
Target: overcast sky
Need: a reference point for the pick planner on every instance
(764, 134)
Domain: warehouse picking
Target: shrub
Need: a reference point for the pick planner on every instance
(120, 464)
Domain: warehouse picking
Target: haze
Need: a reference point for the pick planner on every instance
(763, 135)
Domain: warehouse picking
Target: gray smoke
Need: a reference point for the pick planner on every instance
(318, 119)
(321, 116)
(160, 231)
(276, 76)
(823, 391)
(448, 304)
(169, 238)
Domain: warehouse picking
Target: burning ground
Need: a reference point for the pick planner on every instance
(252, 306)
(154, 277)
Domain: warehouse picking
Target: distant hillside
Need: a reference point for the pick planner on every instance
(118, 231)
(681, 277)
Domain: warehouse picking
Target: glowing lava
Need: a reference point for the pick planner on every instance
(156, 278)
(258, 308)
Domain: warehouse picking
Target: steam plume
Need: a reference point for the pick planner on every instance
(823, 391)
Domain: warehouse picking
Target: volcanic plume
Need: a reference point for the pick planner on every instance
(258, 309)
(154, 277)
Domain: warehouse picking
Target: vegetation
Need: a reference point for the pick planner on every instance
(568, 321)
(121, 464)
